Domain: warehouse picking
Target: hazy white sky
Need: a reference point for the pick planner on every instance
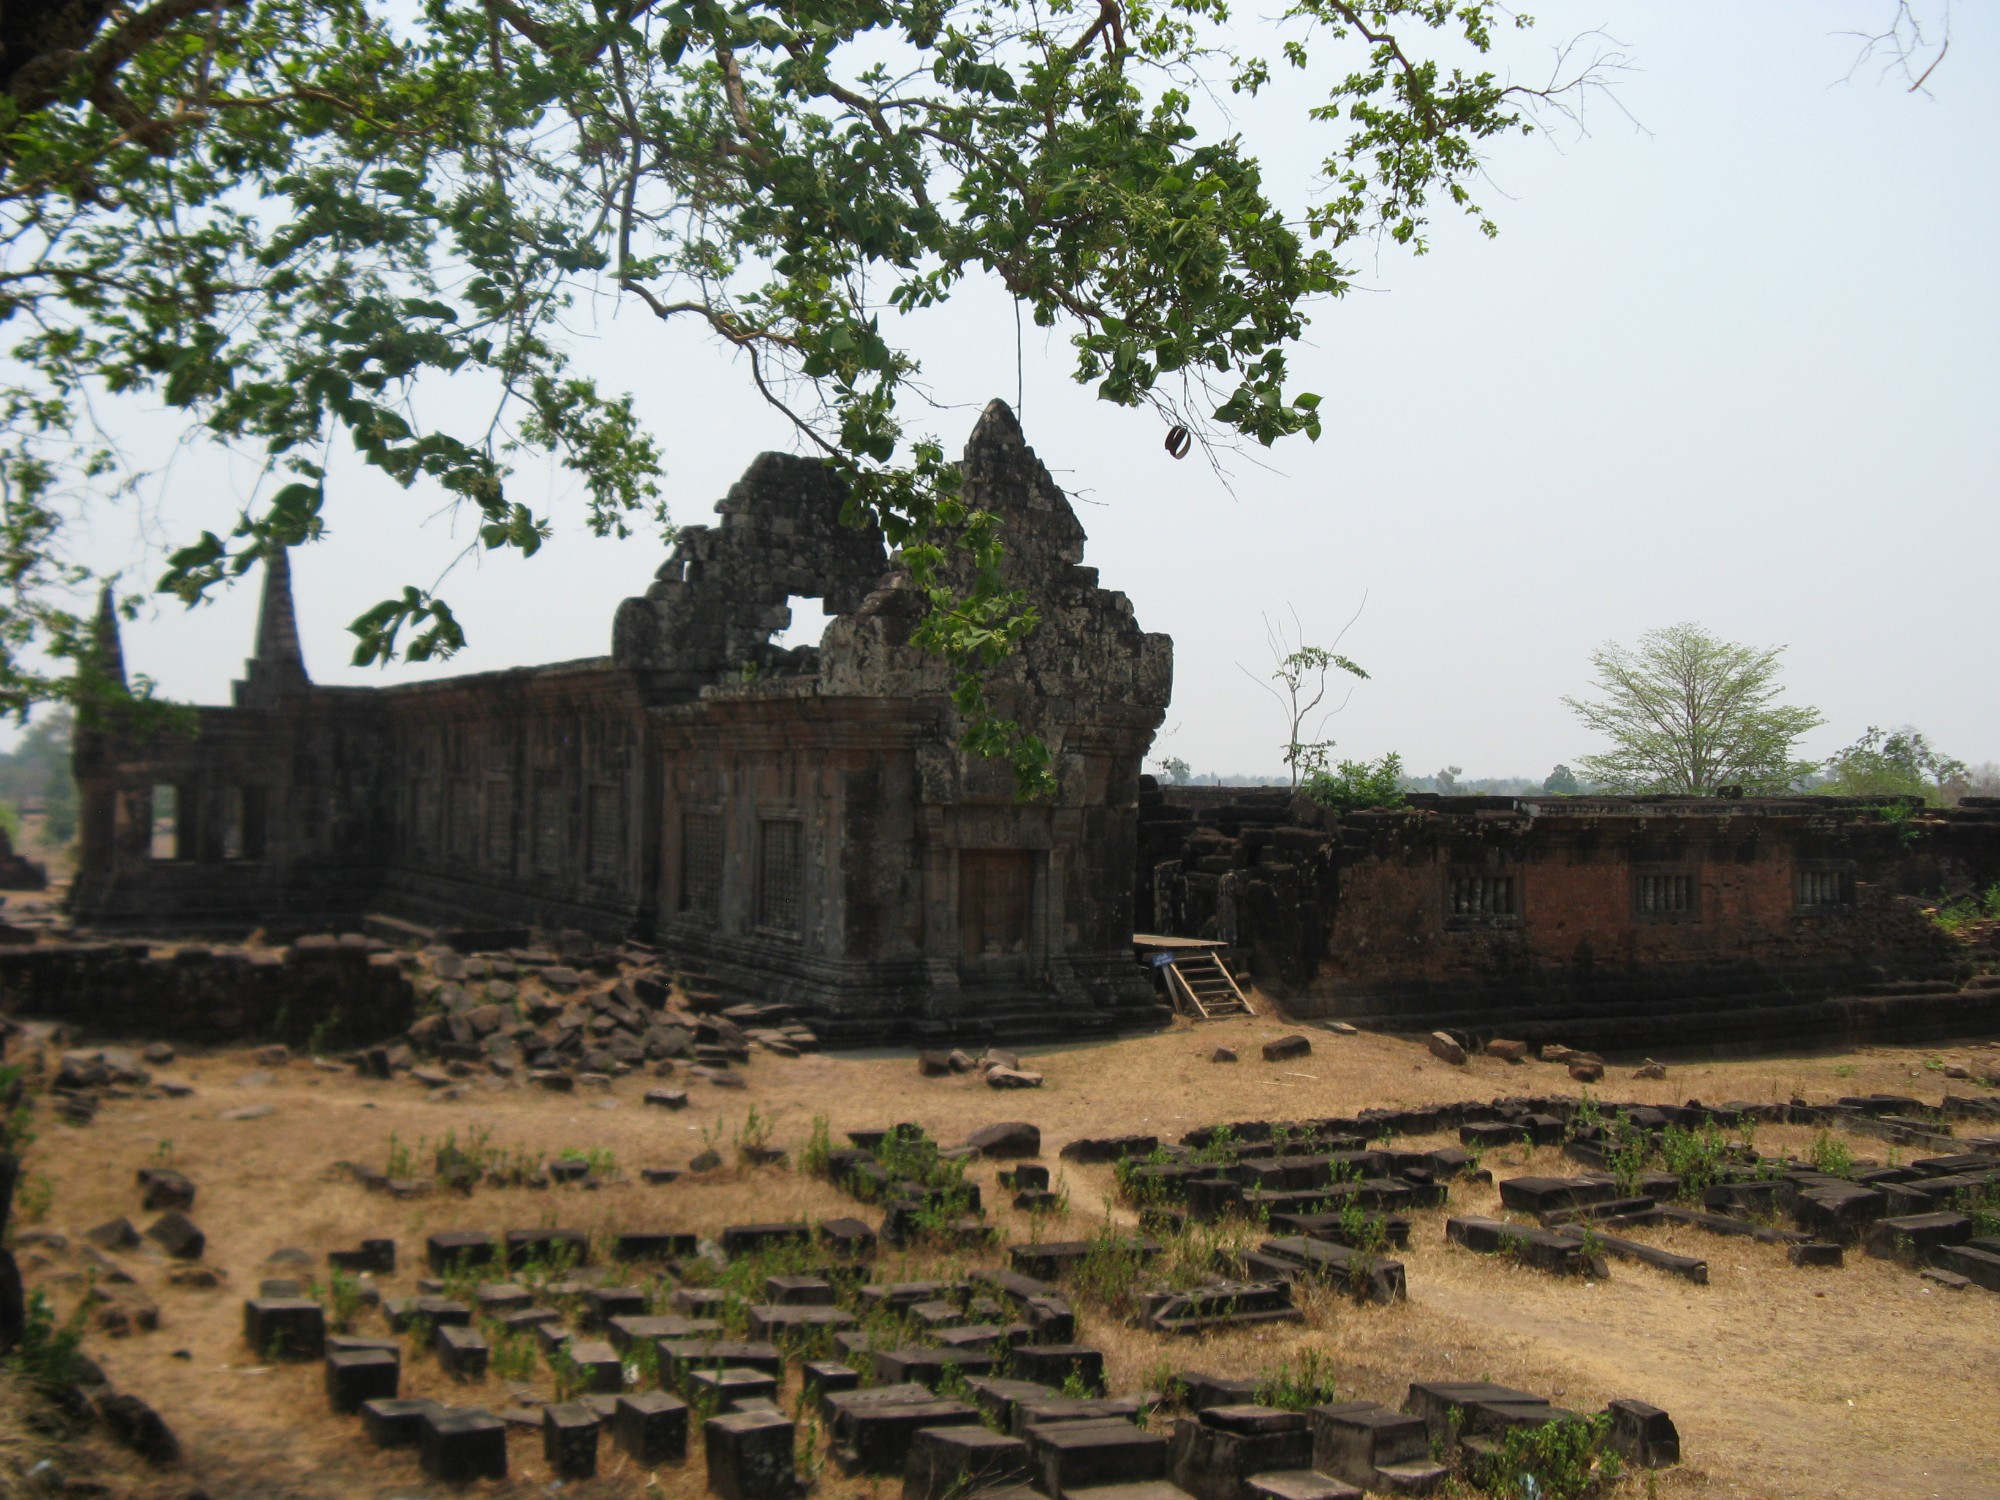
(1736, 366)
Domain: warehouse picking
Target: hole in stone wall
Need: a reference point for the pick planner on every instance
(166, 842)
(809, 619)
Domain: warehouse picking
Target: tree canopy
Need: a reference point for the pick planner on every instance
(1688, 713)
(291, 223)
(1898, 763)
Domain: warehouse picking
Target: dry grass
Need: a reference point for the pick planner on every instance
(1785, 1383)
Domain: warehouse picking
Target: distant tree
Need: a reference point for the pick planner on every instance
(37, 770)
(1562, 782)
(1687, 712)
(1898, 764)
(1175, 770)
(1446, 781)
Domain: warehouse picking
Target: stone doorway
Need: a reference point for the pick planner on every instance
(996, 891)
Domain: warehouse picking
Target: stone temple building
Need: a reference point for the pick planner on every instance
(798, 825)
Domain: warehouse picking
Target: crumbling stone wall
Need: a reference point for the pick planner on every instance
(1353, 917)
(845, 845)
(338, 991)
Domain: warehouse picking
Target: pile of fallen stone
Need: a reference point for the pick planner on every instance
(1002, 1069)
(600, 1014)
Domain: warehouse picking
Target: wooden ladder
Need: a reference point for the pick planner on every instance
(1202, 987)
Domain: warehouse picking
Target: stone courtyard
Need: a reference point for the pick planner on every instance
(1242, 1257)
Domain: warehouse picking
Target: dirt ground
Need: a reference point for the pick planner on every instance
(1867, 1383)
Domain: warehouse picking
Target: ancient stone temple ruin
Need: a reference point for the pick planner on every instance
(794, 824)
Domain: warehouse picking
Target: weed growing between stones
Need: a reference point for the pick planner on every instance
(401, 1164)
(1076, 1385)
(1299, 1387)
(1563, 1460)
(571, 1380)
(343, 1299)
(1628, 1159)
(809, 1455)
(49, 1357)
(1982, 1206)
(1695, 1156)
(462, 1278)
(1830, 1154)
(817, 1155)
(1110, 1270)
(513, 1353)
(34, 1195)
(642, 1365)
(753, 1138)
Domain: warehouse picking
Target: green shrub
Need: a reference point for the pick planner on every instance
(1564, 1460)
(1695, 1156)
(1357, 784)
(50, 1354)
(1299, 1387)
(1830, 1154)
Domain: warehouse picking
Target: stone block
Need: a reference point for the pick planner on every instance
(848, 1238)
(927, 1367)
(1817, 1254)
(749, 1239)
(370, 1257)
(468, 1249)
(1058, 1366)
(749, 1456)
(1354, 1440)
(355, 1377)
(1976, 1263)
(718, 1390)
(163, 1188)
(177, 1234)
(285, 1328)
(651, 1428)
(1507, 1051)
(138, 1427)
(643, 1244)
(1213, 1456)
(948, 1462)
(114, 1234)
(1839, 1212)
(631, 1332)
(1012, 1078)
(569, 1440)
(678, 1356)
(799, 1291)
(825, 1377)
(546, 1246)
(1072, 1456)
(1009, 1140)
(1287, 1048)
(462, 1352)
(875, 1438)
(1445, 1048)
(393, 1423)
(1915, 1236)
(603, 1303)
(1436, 1402)
(456, 1447)
(1643, 1435)
(597, 1365)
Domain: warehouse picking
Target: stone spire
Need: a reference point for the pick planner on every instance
(107, 649)
(279, 667)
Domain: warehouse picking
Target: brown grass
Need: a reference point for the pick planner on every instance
(1785, 1383)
